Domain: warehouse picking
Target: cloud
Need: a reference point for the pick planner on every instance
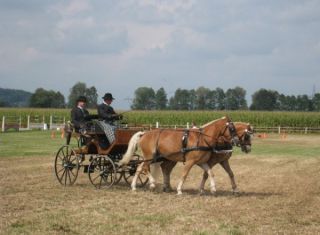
(73, 7)
(121, 45)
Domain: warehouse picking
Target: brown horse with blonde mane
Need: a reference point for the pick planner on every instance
(191, 147)
(244, 132)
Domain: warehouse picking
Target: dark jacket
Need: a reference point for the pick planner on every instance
(106, 113)
(78, 117)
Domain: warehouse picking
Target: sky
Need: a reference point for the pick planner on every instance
(120, 45)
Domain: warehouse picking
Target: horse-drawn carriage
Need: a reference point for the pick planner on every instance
(96, 156)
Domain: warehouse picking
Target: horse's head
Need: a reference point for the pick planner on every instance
(244, 133)
(224, 131)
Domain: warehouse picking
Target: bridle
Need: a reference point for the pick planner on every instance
(245, 137)
(235, 139)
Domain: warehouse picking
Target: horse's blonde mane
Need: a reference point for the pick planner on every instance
(209, 123)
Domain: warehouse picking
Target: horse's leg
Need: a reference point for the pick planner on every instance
(135, 178)
(203, 182)
(212, 162)
(166, 167)
(226, 166)
(152, 181)
(186, 169)
(207, 170)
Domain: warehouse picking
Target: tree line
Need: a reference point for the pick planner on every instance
(146, 98)
(202, 98)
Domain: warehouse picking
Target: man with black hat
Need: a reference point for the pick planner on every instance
(79, 113)
(107, 114)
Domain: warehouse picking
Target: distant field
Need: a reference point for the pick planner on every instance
(279, 184)
(256, 118)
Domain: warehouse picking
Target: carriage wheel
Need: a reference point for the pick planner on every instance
(102, 172)
(130, 171)
(66, 165)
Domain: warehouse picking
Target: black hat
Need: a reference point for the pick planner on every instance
(107, 96)
(82, 99)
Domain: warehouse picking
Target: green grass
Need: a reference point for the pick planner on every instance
(40, 143)
(29, 143)
(294, 145)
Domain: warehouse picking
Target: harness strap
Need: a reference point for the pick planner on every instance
(185, 138)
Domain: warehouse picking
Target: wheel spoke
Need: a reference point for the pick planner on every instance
(72, 173)
(94, 179)
(74, 159)
(62, 159)
(100, 182)
(64, 155)
(60, 170)
(69, 177)
(65, 177)
(60, 179)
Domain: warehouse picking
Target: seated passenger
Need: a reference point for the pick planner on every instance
(79, 113)
(107, 115)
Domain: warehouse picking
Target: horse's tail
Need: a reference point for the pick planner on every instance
(132, 147)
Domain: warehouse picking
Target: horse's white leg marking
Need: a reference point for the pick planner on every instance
(152, 181)
(184, 176)
(135, 178)
(207, 169)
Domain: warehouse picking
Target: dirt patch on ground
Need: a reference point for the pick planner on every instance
(279, 195)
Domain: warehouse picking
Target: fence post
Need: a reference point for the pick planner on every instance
(64, 120)
(187, 125)
(28, 122)
(306, 130)
(279, 130)
(50, 122)
(3, 122)
(20, 122)
(157, 124)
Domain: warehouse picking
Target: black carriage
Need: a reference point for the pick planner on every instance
(96, 156)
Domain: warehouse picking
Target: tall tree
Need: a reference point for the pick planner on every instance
(264, 100)
(47, 99)
(161, 99)
(304, 103)
(202, 98)
(236, 99)
(316, 102)
(144, 99)
(212, 100)
(92, 97)
(80, 89)
(182, 100)
(220, 99)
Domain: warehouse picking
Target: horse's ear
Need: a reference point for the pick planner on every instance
(228, 118)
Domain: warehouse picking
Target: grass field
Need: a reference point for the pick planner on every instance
(279, 184)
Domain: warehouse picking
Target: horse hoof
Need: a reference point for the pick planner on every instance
(179, 193)
(213, 193)
(152, 187)
(167, 190)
